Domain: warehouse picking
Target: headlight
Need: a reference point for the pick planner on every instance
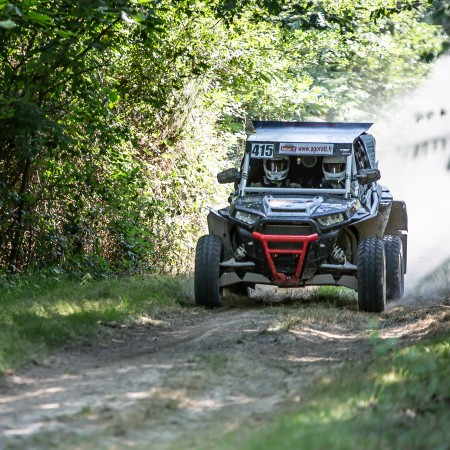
(332, 219)
(246, 217)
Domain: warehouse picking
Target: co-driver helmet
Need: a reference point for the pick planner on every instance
(277, 168)
(334, 168)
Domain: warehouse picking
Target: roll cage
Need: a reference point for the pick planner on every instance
(320, 139)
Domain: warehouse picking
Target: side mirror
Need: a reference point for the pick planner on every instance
(366, 176)
(228, 176)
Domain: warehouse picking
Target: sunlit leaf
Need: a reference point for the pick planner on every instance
(8, 24)
(39, 18)
(65, 34)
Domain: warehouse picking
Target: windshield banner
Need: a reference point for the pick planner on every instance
(306, 149)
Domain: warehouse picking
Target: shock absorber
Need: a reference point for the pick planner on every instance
(240, 252)
(338, 255)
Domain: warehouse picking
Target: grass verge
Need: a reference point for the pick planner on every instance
(397, 401)
(38, 313)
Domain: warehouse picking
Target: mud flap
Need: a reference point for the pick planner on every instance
(221, 227)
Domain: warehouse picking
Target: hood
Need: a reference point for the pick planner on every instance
(295, 206)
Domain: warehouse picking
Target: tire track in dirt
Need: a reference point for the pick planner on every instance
(178, 386)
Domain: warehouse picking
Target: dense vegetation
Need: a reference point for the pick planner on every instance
(115, 115)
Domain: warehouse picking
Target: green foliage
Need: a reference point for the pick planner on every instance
(116, 115)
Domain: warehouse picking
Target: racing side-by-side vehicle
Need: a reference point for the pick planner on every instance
(306, 210)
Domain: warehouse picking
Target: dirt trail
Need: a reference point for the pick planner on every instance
(182, 383)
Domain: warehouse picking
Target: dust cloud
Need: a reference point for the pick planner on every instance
(413, 142)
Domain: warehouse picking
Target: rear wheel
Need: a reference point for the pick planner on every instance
(371, 274)
(395, 276)
(208, 256)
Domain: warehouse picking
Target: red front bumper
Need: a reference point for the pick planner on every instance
(278, 277)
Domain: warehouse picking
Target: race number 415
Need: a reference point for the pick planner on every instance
(262, 151)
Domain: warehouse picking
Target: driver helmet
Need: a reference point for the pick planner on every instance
(334, 168)
(277, 168)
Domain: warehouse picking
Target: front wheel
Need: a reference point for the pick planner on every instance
(208, 256)
(395, 271)
(371, 273)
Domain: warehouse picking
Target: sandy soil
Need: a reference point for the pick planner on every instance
(195, 375)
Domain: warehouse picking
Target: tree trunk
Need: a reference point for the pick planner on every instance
(18, 232)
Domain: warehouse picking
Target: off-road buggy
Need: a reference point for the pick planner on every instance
(290, 225)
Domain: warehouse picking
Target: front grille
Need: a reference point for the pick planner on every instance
(287, 230)
(286, 264)
(285, 245)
